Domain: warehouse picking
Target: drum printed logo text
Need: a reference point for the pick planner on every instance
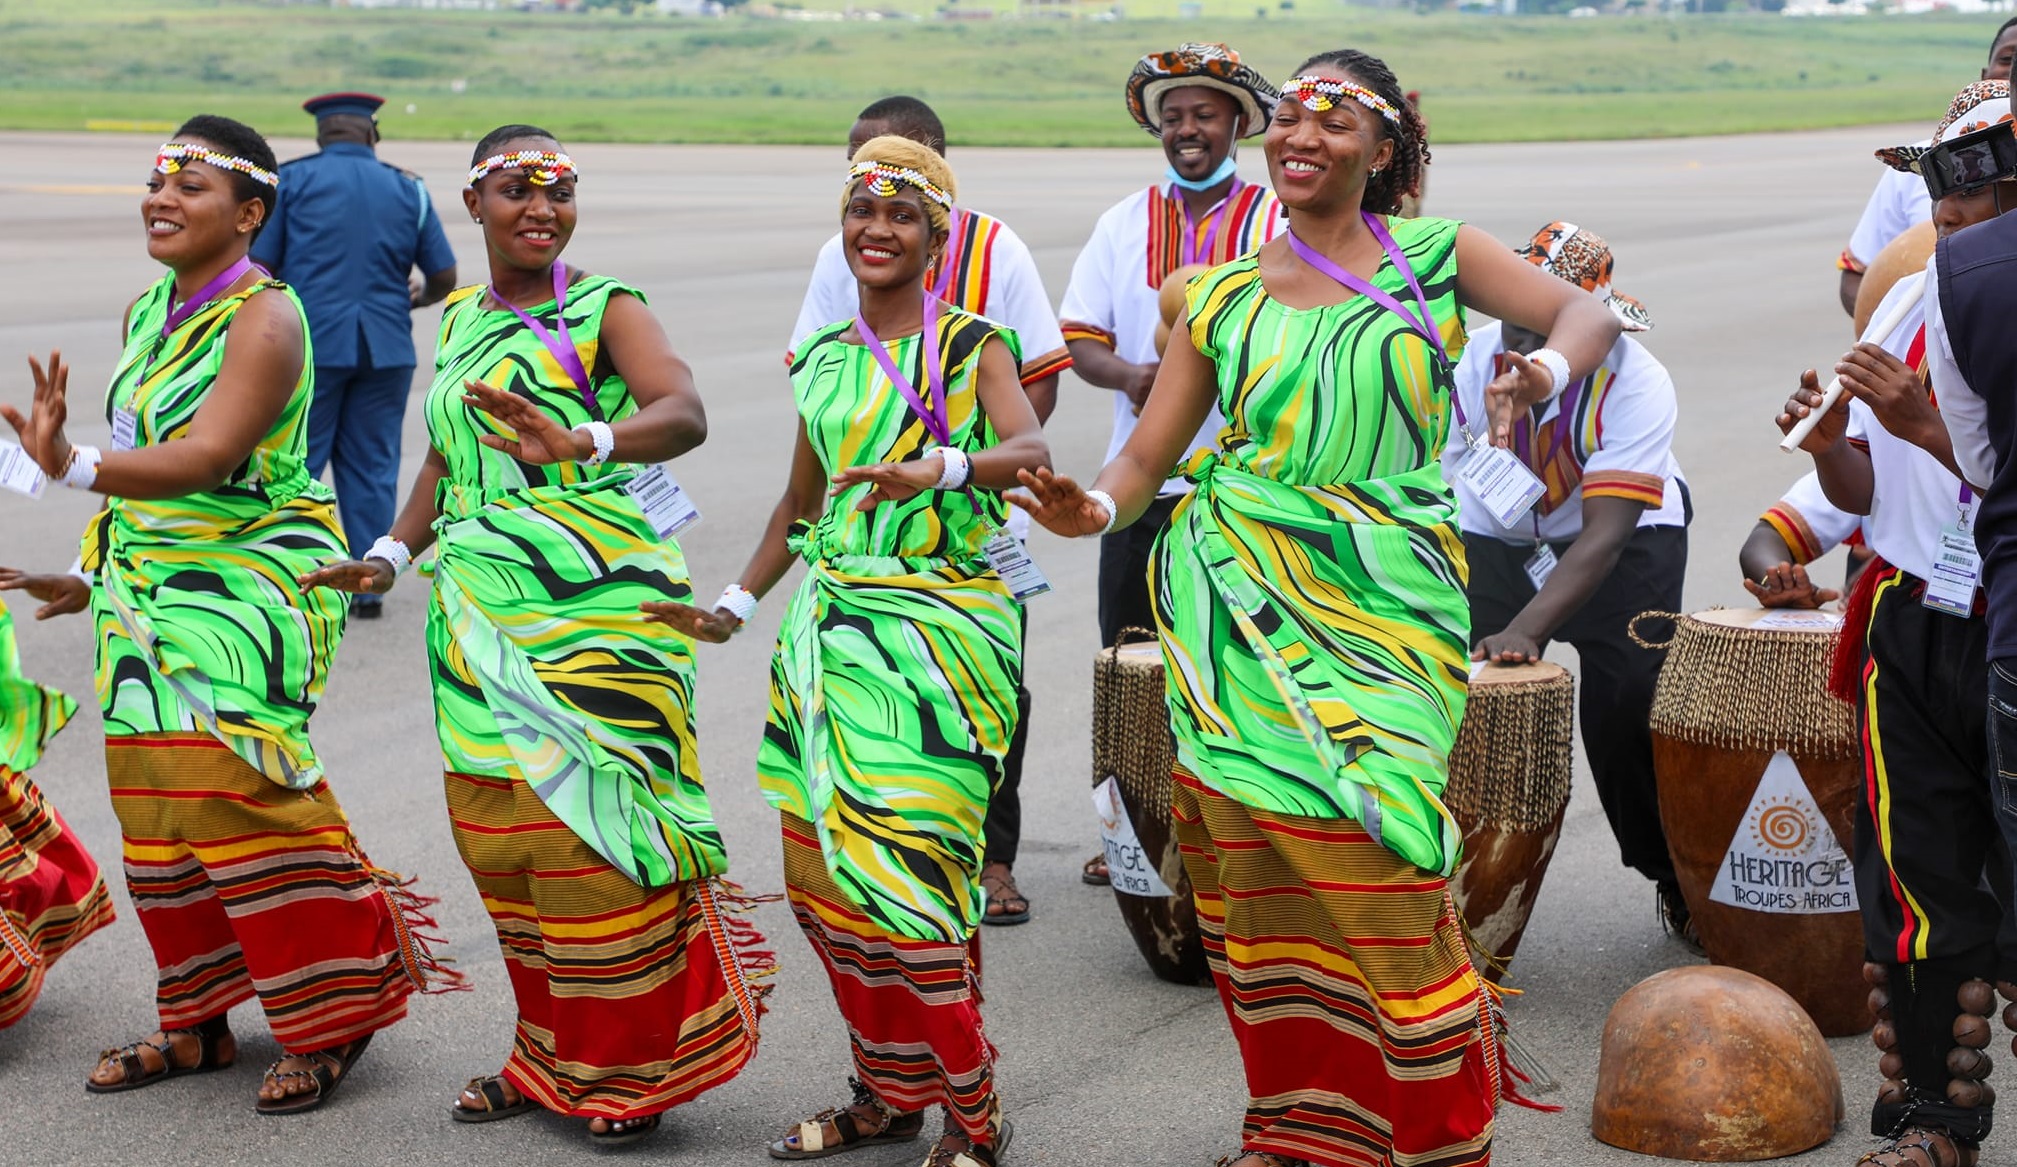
(1784, 857)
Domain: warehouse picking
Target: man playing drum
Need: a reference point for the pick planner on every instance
(1792, 533)
(1914, 660)
(1607, 541)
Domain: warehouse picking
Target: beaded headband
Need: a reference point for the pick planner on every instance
(1322, 93)
(542, 167)
(883, 177)
(172, 155)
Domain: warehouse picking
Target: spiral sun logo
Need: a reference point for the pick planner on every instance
(1782, 827)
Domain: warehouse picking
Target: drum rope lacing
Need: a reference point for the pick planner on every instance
(1743, 688)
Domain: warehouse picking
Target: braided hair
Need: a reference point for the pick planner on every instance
(1402, 176)
(242, 141)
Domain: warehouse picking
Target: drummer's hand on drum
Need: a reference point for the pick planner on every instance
(1508, 648)
(1059, 504)
(1786, 585)
(1805, 400)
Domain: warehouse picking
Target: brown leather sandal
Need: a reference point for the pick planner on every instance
(617, 1132)
(954, 1149)
(495, 1105)
(844, 1128)
(215, 1050)
(1261, 1159)
(1006, 904)
(327, 1069)
(1918, 1146)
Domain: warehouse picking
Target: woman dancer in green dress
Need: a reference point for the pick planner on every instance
(242, 868)
(573, 777)
(1311, 602)
(893, 690)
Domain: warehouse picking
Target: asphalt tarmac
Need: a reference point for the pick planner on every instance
(1730, 242)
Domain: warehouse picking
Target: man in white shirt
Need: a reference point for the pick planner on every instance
(1608, 541)
(1927, 843)
(1899, 200)
(1199, 100)
(986, 269)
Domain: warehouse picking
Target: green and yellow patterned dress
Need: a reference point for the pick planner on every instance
(200, 624)
(566, 727)
(1311, 592)
(893, 692)
(1311, 600)
(210, 661)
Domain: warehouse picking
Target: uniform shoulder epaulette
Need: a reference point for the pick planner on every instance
(403, 171)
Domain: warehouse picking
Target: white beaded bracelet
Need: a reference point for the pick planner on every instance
(392, 551)
(1113, 512)
(740, 601)
(958, 468)
(82, 469)
(1557, 366)
(602, 438)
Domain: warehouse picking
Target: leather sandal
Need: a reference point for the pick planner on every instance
(327, 1069)
(622, 1131)
(215, 1050)
(955, 1149)
(1260, 1159)
(490, 1092)
(1094, 871)
(1002, 896)
(1918, 1146)
(810, 1139)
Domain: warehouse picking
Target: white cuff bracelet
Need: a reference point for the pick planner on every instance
(1113, 512)
(83, 468)
(602, 438)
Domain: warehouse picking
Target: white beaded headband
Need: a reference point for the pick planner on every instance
(1321, 93)
(883, 177)
(542, 167)
(172, 155)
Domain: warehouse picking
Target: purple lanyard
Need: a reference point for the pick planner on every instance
(942, 287)
(934, 412)
(1322, 263)
(562, 346)
(205, 294)
(1191, 252)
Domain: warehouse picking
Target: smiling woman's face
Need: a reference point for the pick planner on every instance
(525, 225)
(193, 215)
(1320, 158)
(888, 239)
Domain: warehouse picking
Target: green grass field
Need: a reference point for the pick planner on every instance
(603, 76)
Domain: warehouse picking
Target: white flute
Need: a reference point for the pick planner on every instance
(1833, 393)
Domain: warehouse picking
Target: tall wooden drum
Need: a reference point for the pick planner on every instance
(1758, 768)
(1133, 755)
(1509, 786)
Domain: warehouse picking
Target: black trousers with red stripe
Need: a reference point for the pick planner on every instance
(1927, 847)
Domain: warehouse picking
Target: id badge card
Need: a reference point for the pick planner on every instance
(1011, 561)
(1540, 565)
(125, 427)
(663, 501)
(19, 473)
(1500, 481)
(1957, 570)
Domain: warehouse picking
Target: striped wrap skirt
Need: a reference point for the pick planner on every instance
(51, 895)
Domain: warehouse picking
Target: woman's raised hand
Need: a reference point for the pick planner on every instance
(41, 432)
(715, 627)
(372, 576)
(60, 594)
(1522, 386)
(1059, 504)
(541, 441)
(894, 481)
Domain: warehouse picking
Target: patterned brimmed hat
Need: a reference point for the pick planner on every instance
(1981, 105)
(1581, 257)
(1213, 66)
